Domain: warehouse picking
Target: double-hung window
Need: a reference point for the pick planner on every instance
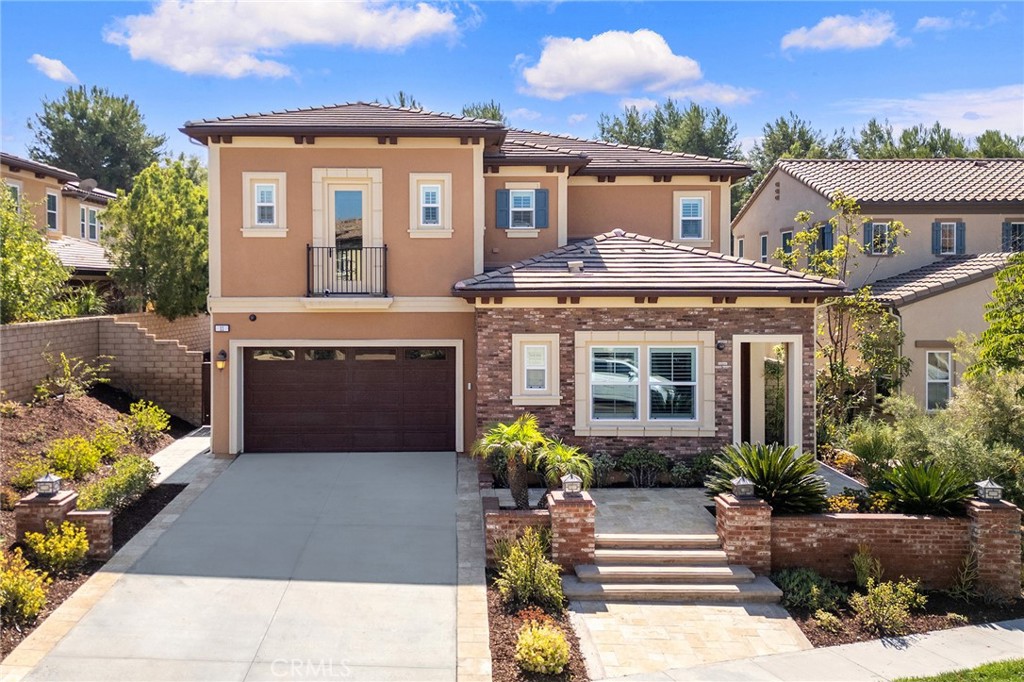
(430, 205)
(739, 247)
(947, 238)
(787, 242)
(764, 248)
(52, 222)
(615, 383)
(265, 196)
(626, 386)
(691, 218)
(15, 191)
(672, 383)
(264, 204)
(82, 221)
(938, 379)
(522, 206)
(88, 223)
(535, 367)
(879, 240)
(1013, 236)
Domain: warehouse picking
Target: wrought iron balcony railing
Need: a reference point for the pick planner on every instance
(333, 271)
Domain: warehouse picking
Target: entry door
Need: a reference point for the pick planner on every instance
(347, 220)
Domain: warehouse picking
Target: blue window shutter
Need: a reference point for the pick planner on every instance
(540, 196)
(937, 238)
(890, 240)
(827, 240)
(502, 219)
(869, 236)
(1006, 236)
(961, 238)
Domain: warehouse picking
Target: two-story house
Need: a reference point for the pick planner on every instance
(964, 217)
(387, 279)
(65, 211)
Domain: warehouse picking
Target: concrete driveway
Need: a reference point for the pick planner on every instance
(298, 566)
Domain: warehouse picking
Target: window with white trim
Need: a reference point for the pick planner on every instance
(663, 388)
(947, 238)
(89, 222)
(82, 220)
(265, 195)
(787, 241)
(879, 239)
(430, 205)
(764, 248)
(739, 247)
(522, 204)
(938, 379)
(264, 204)
(615, 383)
(14, 189)
(52, 222)
(1015, 237)
(672, 383)
(535, 369)
(691, 218)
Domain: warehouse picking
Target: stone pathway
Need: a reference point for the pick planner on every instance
(652, 510)
(473, 647)
(182, 460)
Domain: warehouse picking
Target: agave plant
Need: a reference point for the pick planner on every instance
(927, 489)
(520, 442)
(787, 481)
(558, 459)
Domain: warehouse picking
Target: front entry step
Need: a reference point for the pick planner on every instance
(647, 556)
(656, 541)
(591, 573)
(759, 590)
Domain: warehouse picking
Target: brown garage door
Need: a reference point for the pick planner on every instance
(349, 399)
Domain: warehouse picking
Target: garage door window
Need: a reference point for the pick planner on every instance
(377, 354)
(325, 354)
(273, 354)
(426, 354)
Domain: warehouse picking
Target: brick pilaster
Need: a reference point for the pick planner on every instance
(572, 528)
(99, 528)
(33, 511)
(995, 536)
(745, 530)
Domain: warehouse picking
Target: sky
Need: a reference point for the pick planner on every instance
(553, 66)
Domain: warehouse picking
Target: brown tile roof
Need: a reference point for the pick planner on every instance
(96, 195)
(80, 255)
(60, 174)
(350, 119)
(608, 158)
(521, 153)
(619, 263)
(949, 272)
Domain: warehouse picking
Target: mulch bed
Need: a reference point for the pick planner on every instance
(932, 618)
(127, 523)
(505, 631)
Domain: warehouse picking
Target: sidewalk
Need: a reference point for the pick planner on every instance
(878, 660)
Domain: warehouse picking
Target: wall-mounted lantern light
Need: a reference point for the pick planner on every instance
(222, 359)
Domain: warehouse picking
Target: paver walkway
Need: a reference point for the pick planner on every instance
(284, 567)
(876, 661)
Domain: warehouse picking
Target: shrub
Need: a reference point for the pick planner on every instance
(24, 475)
(865, 566)
(74, 457)
(61, 550)
(828, 622)
(71, 377)
(542, 649)
(527, 576)
(145, 422)
(927, 489)
(110, 441)
(847, 462)
(965, 582)
(680, 474)
(497, 463)
(603, 467)
(557, 459)
(22, 589)
(839, 504)
(957, 619)
(873, 443)
(131, 478)
(788, 482)
(691, 474)
(803, 588)
(8, 498)
(643, 466)
(534, 614)
(9, 408)
(885, 608)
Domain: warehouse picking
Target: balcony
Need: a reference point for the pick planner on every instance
(335, 272)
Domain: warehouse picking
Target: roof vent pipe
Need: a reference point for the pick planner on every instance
(575, 266)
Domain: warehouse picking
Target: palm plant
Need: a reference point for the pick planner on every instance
(558, 459)
(785, 480)
(520, 442)
(927, 489)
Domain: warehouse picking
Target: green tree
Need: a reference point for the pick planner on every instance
(858, 340)
(31, 276)
(404, 99)
(521, 442)
(96, 135)
(993, 144)
(157, 239)
(194, 167)
(878, 141)
(791, 137)
(491, 111)
(634, 128)
(1001, 346)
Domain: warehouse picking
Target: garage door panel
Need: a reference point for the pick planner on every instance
(349, 399)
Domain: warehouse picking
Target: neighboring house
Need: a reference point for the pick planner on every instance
(64, 212)
(954, 209)
(393, 279)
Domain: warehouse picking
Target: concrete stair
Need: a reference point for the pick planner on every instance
(666, 568)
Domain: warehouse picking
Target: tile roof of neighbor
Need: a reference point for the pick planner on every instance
(949, 272)
(80, 254)
(626, 264)
(96, 194)
(60, 174)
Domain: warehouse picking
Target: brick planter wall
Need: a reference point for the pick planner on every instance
(572, 529)
(33, 511)
(995, 535)
(495, 327)
(509, 524)
(99, 528)
(745, 529)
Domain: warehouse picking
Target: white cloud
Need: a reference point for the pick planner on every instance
(610, 62)
(715, 93)
(522, 113)
(842, 31)
(968, 112)
(54, 69)
(933, 24)
(641, 103)
(575, 119)
(236, 39)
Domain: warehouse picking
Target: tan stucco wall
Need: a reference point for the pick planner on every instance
(34, 192)
(342, 327)
(646, 209)
(940, 318)
(766, 214)
(499, 248)
(277, 266)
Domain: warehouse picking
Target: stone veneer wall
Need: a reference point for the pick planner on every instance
(495, 327)
(509, 524)
(192, 332)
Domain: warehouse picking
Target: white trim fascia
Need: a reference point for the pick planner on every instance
(339, 304)
(479, 197)
(236, 354)
(213, 200)
(794, 388)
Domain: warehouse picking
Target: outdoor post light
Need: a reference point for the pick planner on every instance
(572, 485)
(222, 359)
(742, 487)
(48, 485)
(989, 490)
